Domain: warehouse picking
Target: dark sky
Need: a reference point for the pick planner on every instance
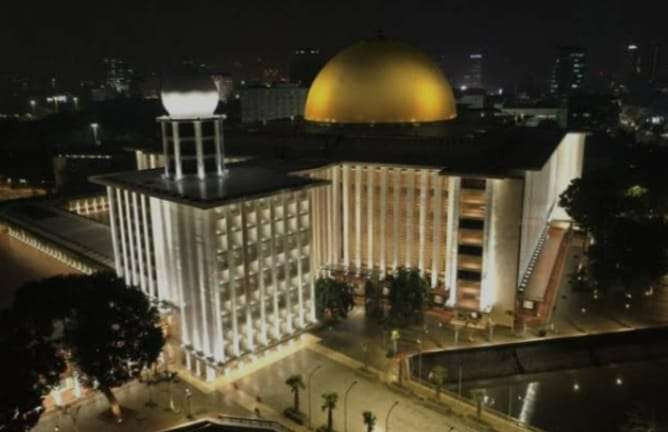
(69, 37)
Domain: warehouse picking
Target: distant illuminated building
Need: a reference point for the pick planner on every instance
(568, 73)
(227, 248)
(473, 78)
(225, 85)
(118, 75)
(262, 101)
(632, 61)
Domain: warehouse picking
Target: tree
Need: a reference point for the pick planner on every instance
(333, 299)
(31, 368)
(408, 295)
(438, 376)
(295, 382)
(329, 404)
(109, 331)
(369, 420)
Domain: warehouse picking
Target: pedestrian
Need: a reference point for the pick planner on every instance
(257, 412)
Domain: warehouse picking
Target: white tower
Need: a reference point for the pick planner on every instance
(192, 135)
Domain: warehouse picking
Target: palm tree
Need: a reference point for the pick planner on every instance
(369, 420)
(438, 376)
(329, 404)
(295, 382)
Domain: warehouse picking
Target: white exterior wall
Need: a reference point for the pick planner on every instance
(238, 275)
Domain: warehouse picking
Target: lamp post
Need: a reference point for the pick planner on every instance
(33, 104)
(94, 127)
(310, 375)
(387, 418)
(75, 99)
(345, 406)
(419, 341)
(189, 395)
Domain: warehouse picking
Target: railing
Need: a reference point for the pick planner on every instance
(244, 421)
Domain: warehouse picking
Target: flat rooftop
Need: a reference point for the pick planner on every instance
(242, 181)
(75, 233)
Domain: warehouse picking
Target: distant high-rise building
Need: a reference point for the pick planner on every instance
(117, 75)
(653, 61)
(568, 73)
(473, 73)
(305, 65)
(632, 64)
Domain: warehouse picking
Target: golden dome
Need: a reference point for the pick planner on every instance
(380, 81)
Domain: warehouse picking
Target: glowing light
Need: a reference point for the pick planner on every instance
(576, 387)
(190, 104)
(619, 381)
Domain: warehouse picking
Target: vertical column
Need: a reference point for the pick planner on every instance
(330, 217)
(410, 211)
(422, 233)
(250, 333)
(371, 170)
(336, 216)
(218, 141)
(165, 147)
(113, 211)
(452, 240)
(395, 218)
(358, 217)
(287, 279)
(177, 150)
(260, 270)
(436, 224)
(232, 270)
(274, 270)
(199, 149)
(383, 211)
(200, 302)
(148, 247)
(300, 280)
(131, 248)
(138, 243)
(345, 174)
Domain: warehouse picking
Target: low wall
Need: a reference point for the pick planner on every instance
(548, 355)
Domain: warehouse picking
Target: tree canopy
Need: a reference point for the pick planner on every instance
(333, 298)
(623, 208)
(109, 331)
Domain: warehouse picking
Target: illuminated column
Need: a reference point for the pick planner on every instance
(259, 225)
(199, 150)
(452, 239)
(358, 217)
(138, 243)
(232, 270)
(395, 218)
(410, 211)
(165, 147)
(330, 217)
(114, 232)
(177, 150)
(197, 255)
(423, 218)
(248, 303)
(120, 208)
(436, 238)
(131, 248)
(274, 267)
(147, 247)
(345, 171)
(286, 265)
(336, 216)
(300, 281)
(383, 211)
(219, 143)
(369, 214)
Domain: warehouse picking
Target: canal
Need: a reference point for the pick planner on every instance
(20, 263)
(599, 399)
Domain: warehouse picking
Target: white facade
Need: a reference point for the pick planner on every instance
(273, 102)
(239, 275)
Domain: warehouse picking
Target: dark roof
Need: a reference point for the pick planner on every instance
(241, 182)
(496, 152)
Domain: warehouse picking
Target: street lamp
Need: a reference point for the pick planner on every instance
(189, 395)
(345, 406)
(310, 375)
(419, 341)
(94, 128)
(387, 418)
(33, 104)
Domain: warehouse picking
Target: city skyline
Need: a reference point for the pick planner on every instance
(72, 44)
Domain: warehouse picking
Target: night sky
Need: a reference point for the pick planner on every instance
(69, 37)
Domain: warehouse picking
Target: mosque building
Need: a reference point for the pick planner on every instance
(381, 175)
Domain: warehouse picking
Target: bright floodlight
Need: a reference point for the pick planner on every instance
(189, 96)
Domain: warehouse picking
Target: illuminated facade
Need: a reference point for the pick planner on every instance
(227, 249)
